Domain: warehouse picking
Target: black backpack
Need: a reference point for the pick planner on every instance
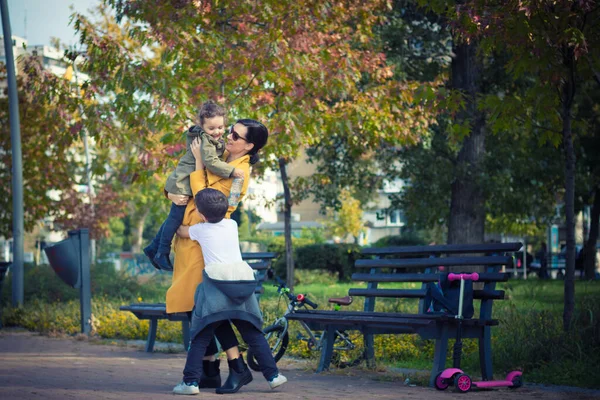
(444, 296)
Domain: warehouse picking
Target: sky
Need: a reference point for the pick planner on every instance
(46, 19)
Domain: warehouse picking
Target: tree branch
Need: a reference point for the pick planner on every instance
(594, 72)
(538, 126)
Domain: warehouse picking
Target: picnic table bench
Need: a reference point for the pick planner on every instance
(153, 312)
(418, 264)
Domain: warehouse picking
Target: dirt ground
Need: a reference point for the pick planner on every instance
(41, 367)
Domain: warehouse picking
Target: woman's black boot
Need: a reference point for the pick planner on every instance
(239, 375)
(211, 375)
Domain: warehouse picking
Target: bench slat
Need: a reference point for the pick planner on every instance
(258, 256)
(260, 265)
(420, 293)
(444, 249)
(432, 262)
(343, 319)
(412, 277)
(330, 315)
(400, 293)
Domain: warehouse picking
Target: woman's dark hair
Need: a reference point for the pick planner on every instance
(210, 109)
(257, 135)
(212, 204)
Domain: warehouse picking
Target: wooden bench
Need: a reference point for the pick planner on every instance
(418, 264)
(153, 312)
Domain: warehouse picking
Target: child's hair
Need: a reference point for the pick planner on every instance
(212, 204)
(208, 110)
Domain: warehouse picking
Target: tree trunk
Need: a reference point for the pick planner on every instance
(467, 212)
(287, 221)
(568, 93)
(589, 250)
(138, 232)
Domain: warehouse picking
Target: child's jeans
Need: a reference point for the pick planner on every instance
(164, 237)
(254, 337)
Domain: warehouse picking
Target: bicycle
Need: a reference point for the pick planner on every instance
(277, 334)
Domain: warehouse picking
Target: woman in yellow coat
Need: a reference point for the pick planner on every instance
(244, 141)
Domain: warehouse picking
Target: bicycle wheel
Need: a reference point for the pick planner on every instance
(278, 342)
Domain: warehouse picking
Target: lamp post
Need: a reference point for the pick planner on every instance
(17, 168)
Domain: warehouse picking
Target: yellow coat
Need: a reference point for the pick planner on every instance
(189, 261)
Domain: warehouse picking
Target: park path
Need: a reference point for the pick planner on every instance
(41, 367)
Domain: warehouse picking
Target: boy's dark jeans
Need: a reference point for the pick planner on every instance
(224, 332)
(254, 337)
(164, 237)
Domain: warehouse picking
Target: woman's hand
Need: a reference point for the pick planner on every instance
(178, 199)
(195, 148)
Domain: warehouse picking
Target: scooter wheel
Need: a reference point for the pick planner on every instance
(440, 383)
(462, 383)
(517, 382)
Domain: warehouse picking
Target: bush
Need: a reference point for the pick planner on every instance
(335, 258)
(399, 240)
(41, 283)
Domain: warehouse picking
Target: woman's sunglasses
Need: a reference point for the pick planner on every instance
(236, 136)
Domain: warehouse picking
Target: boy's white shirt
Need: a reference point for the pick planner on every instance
(221, 250)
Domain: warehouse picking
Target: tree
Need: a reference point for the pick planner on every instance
(346, 221)
(588, 171)
(547, 40)
(308, 69)
(50, 130)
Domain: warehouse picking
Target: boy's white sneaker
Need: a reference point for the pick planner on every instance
(277, 380)
(186, 388)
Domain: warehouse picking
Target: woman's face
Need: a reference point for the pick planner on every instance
(236, 140)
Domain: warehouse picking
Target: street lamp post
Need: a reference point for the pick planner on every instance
(17, 168)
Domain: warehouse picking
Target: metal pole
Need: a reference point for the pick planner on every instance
(17, 168)
(524, 259)
(88, 164)
(85, 290)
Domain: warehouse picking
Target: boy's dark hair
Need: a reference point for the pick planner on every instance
(212, 204)
(208, 110)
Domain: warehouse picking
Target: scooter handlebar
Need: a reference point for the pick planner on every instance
(467, 277)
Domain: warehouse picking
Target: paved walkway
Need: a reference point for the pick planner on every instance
(39, 367)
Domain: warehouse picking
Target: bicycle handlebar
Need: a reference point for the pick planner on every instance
(467, 277)
(310, 303)
(291, 296)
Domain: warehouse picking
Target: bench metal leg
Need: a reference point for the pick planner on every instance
(369, 343)
(485, 354)
(439, 355)
(327, 349)
(185, 330)
(151, 335)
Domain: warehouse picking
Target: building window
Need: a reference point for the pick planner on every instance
(395, 218)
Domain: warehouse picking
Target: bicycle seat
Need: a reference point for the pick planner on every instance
(342, 301)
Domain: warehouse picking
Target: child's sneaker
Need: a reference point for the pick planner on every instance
(277, 380)
(186, 388)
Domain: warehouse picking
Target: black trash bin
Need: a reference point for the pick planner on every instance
(70, 259)
(3, 268)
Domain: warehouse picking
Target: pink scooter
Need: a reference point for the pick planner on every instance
(455, 376)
